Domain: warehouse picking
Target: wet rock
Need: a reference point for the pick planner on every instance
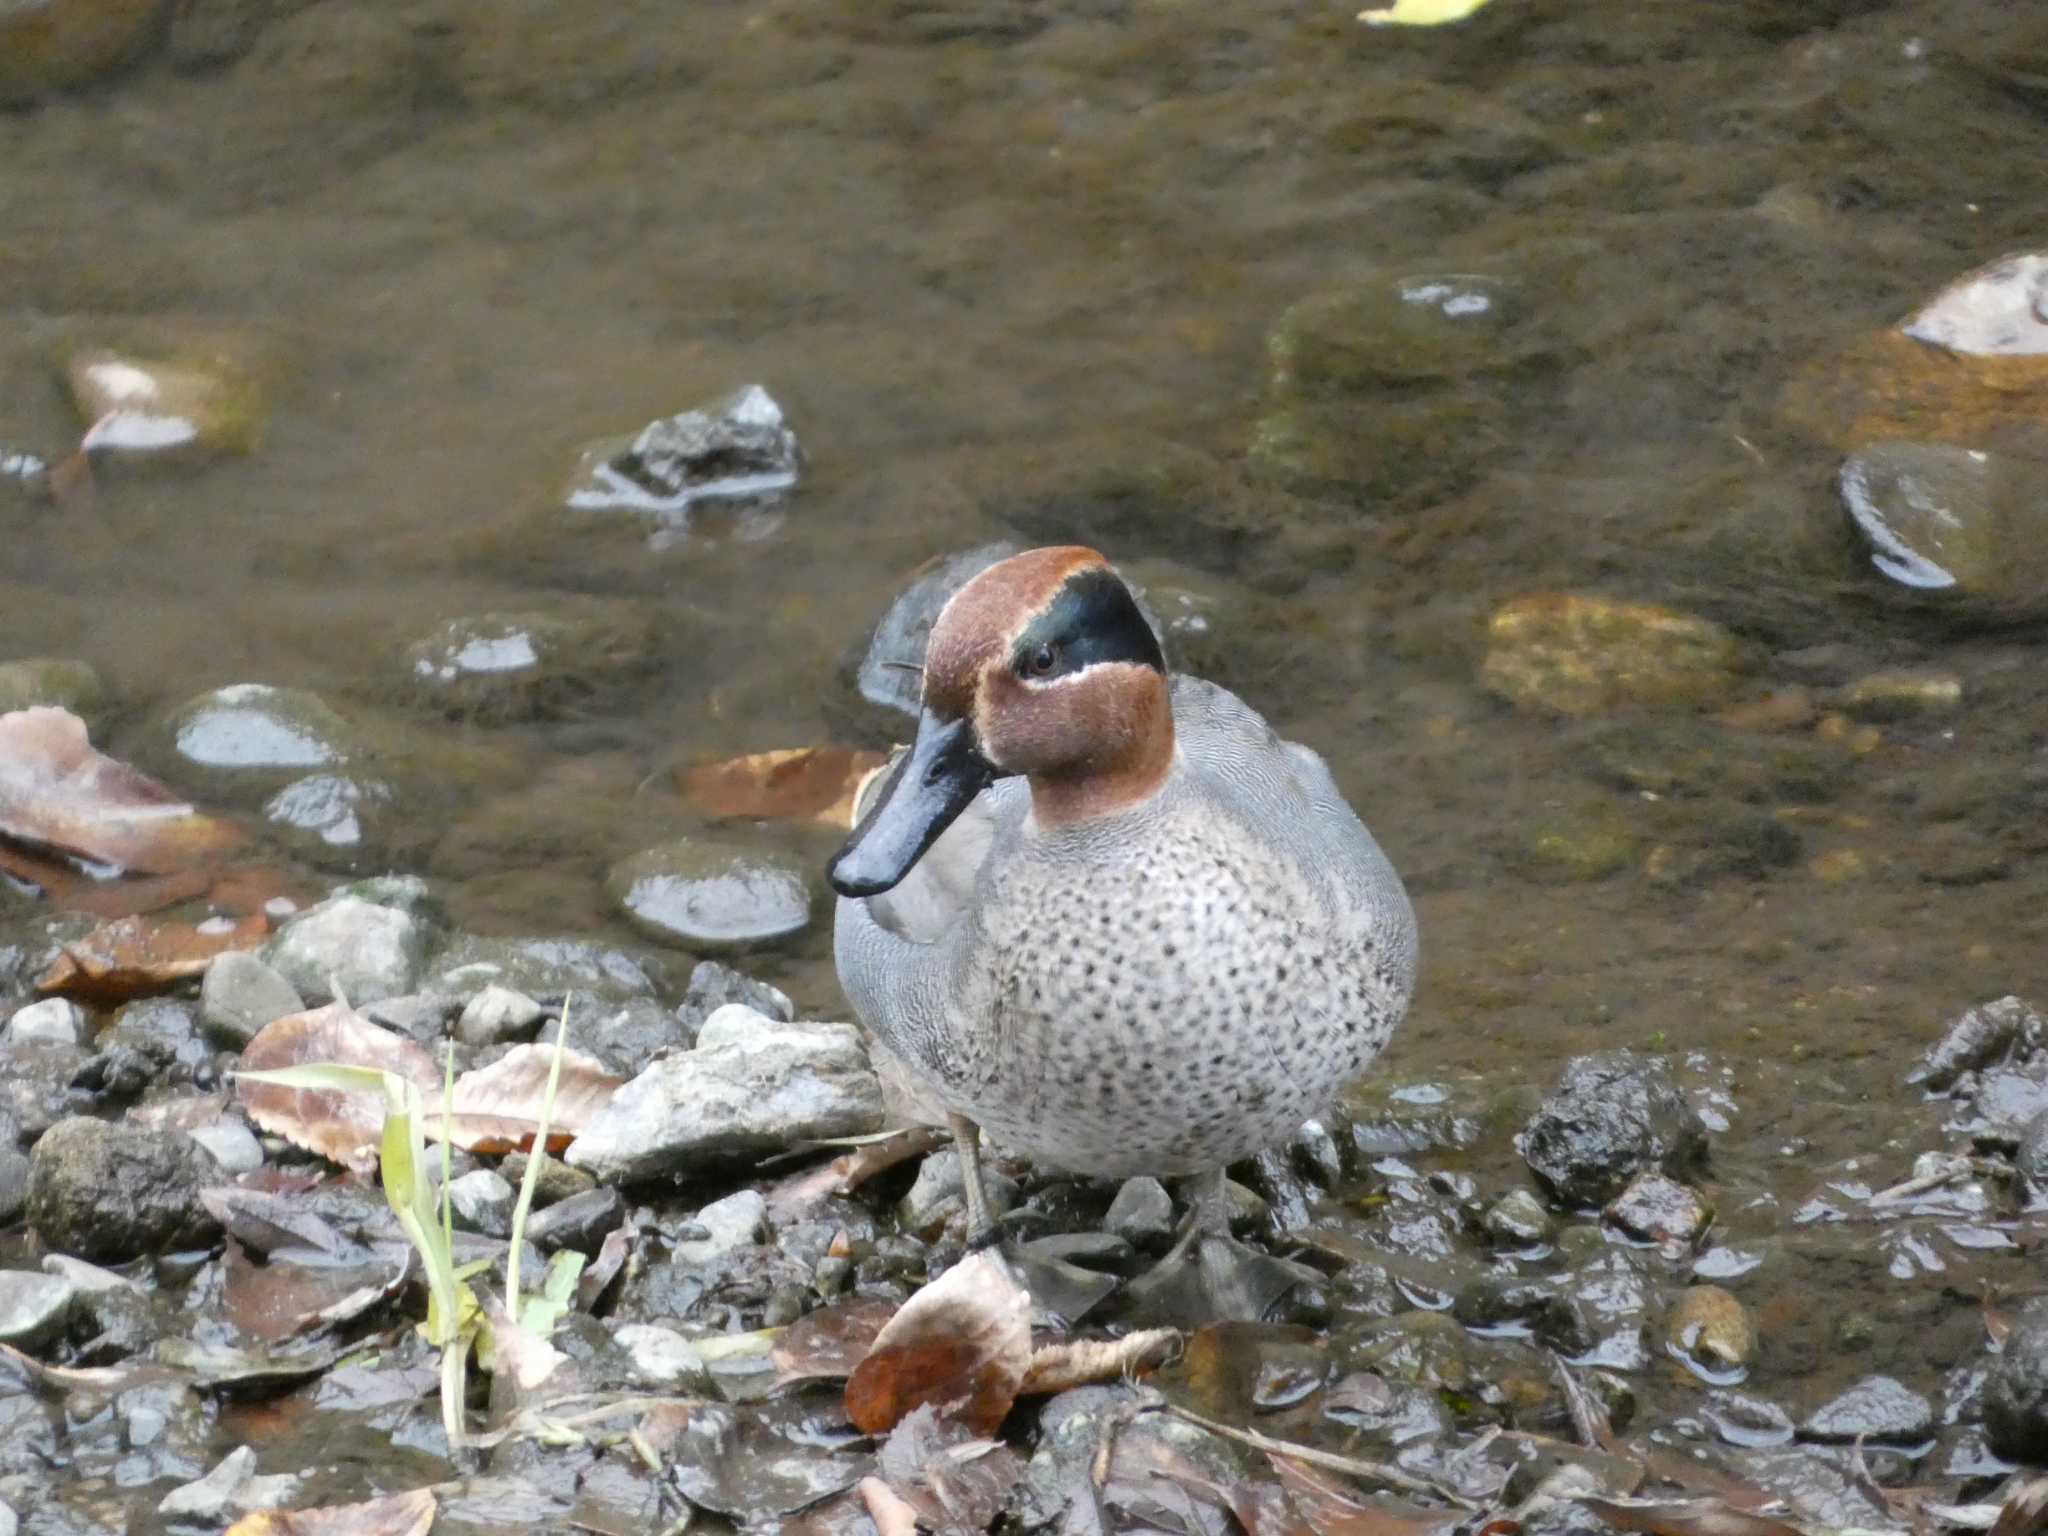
(722, 1229)
(713, 984)
(751, 1085)
(1141, 1213)
(1421, 1349)
(701, 893)
(1590, 844)
(1710, 1327)
(66, 684)
(14, 1166)
(737, 450)
(1398, 332)
(557, 1181)
(231, 1144)
(627, 1036)
(579, 1222)
(424, 1018)
(255, 728)
(65, 43)
(1958, 528)
(1658, 1209)
(499, 669)
(1903, 693)
(1507, 1303)
(662, 1358)
(891, 670)
(36, 1086)
(112, 1192)
(482, 1202)
(329, 808)
(53, 1021)
(185, 401)
(498, 1016)
(1745, 1420)
(1614, 1114)
(2006, 1030)
(34, 1308)
(549, 967)
(938, 1194)
(363, 947)
(1822, 1492)
(164, 1037)
(1518, 1220)
(2016, 1396)
(2031, 1158)
(230, 1488)
(1574, 654)
(239, 995)
(1875, 1408)
(1999, 310)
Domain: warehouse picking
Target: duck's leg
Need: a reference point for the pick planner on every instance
(1208, 1275)
(981, 1226)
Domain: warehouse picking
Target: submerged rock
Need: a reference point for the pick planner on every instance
(193, 400)
(1711, 1327)
(502, 668)
(1999, 310)
(1614, 1115)
(698, 892)
(549, 967)
(1903, 693)
(739, 449)
(56, 681)
(890, 673)
(328, 807)
(111, 1192)
(1960, 528)
(1400, 331)
(54, 45)
(751, 1085)
(1574, 654)
(255, 727)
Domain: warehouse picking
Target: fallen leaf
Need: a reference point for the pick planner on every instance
(497, 1108)
(1077, 1362)
(274, 1301)
(142, 957)
(66, 886)
(58, 794)
(1687, 1517)
(611, 1258)
(342, 1126)
(955, 1481)
(1420, 13)
(801, 1192)
(1333, 1510)
(962, 1343)
(795, 784)
(398, 1514)
(2025, 1511)
(830, 1342)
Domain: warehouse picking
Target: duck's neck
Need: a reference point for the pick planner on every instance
(1131, 770)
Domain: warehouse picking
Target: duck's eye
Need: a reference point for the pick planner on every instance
(1042, 660)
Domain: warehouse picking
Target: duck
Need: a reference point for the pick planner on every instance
(1107, 917)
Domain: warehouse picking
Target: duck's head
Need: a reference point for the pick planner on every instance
(1042, 665)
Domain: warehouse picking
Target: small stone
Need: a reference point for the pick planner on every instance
(366, 951)
(738, 1221)
(33, 1308)
(737, 450)
(1747, 1421)
(328, 807)
(424, 1018)
(1956, 528)
(2016, 1396)
(1903, 693)
(239, 995)
(482, 1202)
(1658, 1209)
(581, 1222)
(2032, 1157)
(1876, 1408)
(661, 1357)
(1518, 1220)
(55, 1020)
(2008, 1029)
(1998, 310)
(939, 1194)
(550, 967)
(1711, 1327)
(87, 1278)
(1574, 654)
(113, 1192)
(704, 894)
(504, 668)
(233, 1145)
(557, 1180)
(498, 1016)
(752, 1085)
(713, 984)
(257, 728)
(1141, 1214)
(226, 1489)
(1614, 1115)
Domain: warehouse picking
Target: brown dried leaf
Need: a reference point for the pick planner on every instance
(398, 1514)
(963, 1344)
(57, 793)
(801, 1192)
(65, 886)
(1077, 1362)
(798, 783)
(1687, 1517)
(1333, 1510)
(141, 957)
(344, 1127)
(497, 1108)
(953, 1479)
(830, 1342)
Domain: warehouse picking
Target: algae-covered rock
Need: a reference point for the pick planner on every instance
(1573, 654)
(1963, 529)
(55, 680)
(701, 893)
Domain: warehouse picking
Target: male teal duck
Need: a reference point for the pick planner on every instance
(1109, 916)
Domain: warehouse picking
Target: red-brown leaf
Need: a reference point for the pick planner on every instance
(344, 1127)
(57, 793)
(398, 1514)
(141, 956)
(830, 1342)
(797, 783)
(1332, 1510)
(963, 1344)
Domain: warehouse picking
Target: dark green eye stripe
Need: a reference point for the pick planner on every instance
(1093, 619)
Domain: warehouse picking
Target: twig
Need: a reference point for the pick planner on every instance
(1376, 1471)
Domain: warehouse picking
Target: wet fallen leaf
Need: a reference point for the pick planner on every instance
(2025, 1511)
(830, 1342)
(263, 1223)
(963, 1343)
(1687, 1517)
(953, 1480)
(767, 1459)
(273, 1301)
(798, 783)
(611, 1258)
(142, 957)
(345, 1127)
(1420, 13)
(58, 794)
(497, 1108)
(398, 1514)
(1077, 1362)
(1333, 1510)
(844, 1174)
(69, 888)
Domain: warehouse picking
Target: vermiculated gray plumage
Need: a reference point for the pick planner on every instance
(1162, 989)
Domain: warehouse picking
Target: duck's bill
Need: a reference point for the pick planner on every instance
(925, 792)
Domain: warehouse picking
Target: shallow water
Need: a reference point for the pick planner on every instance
(1012, 270)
